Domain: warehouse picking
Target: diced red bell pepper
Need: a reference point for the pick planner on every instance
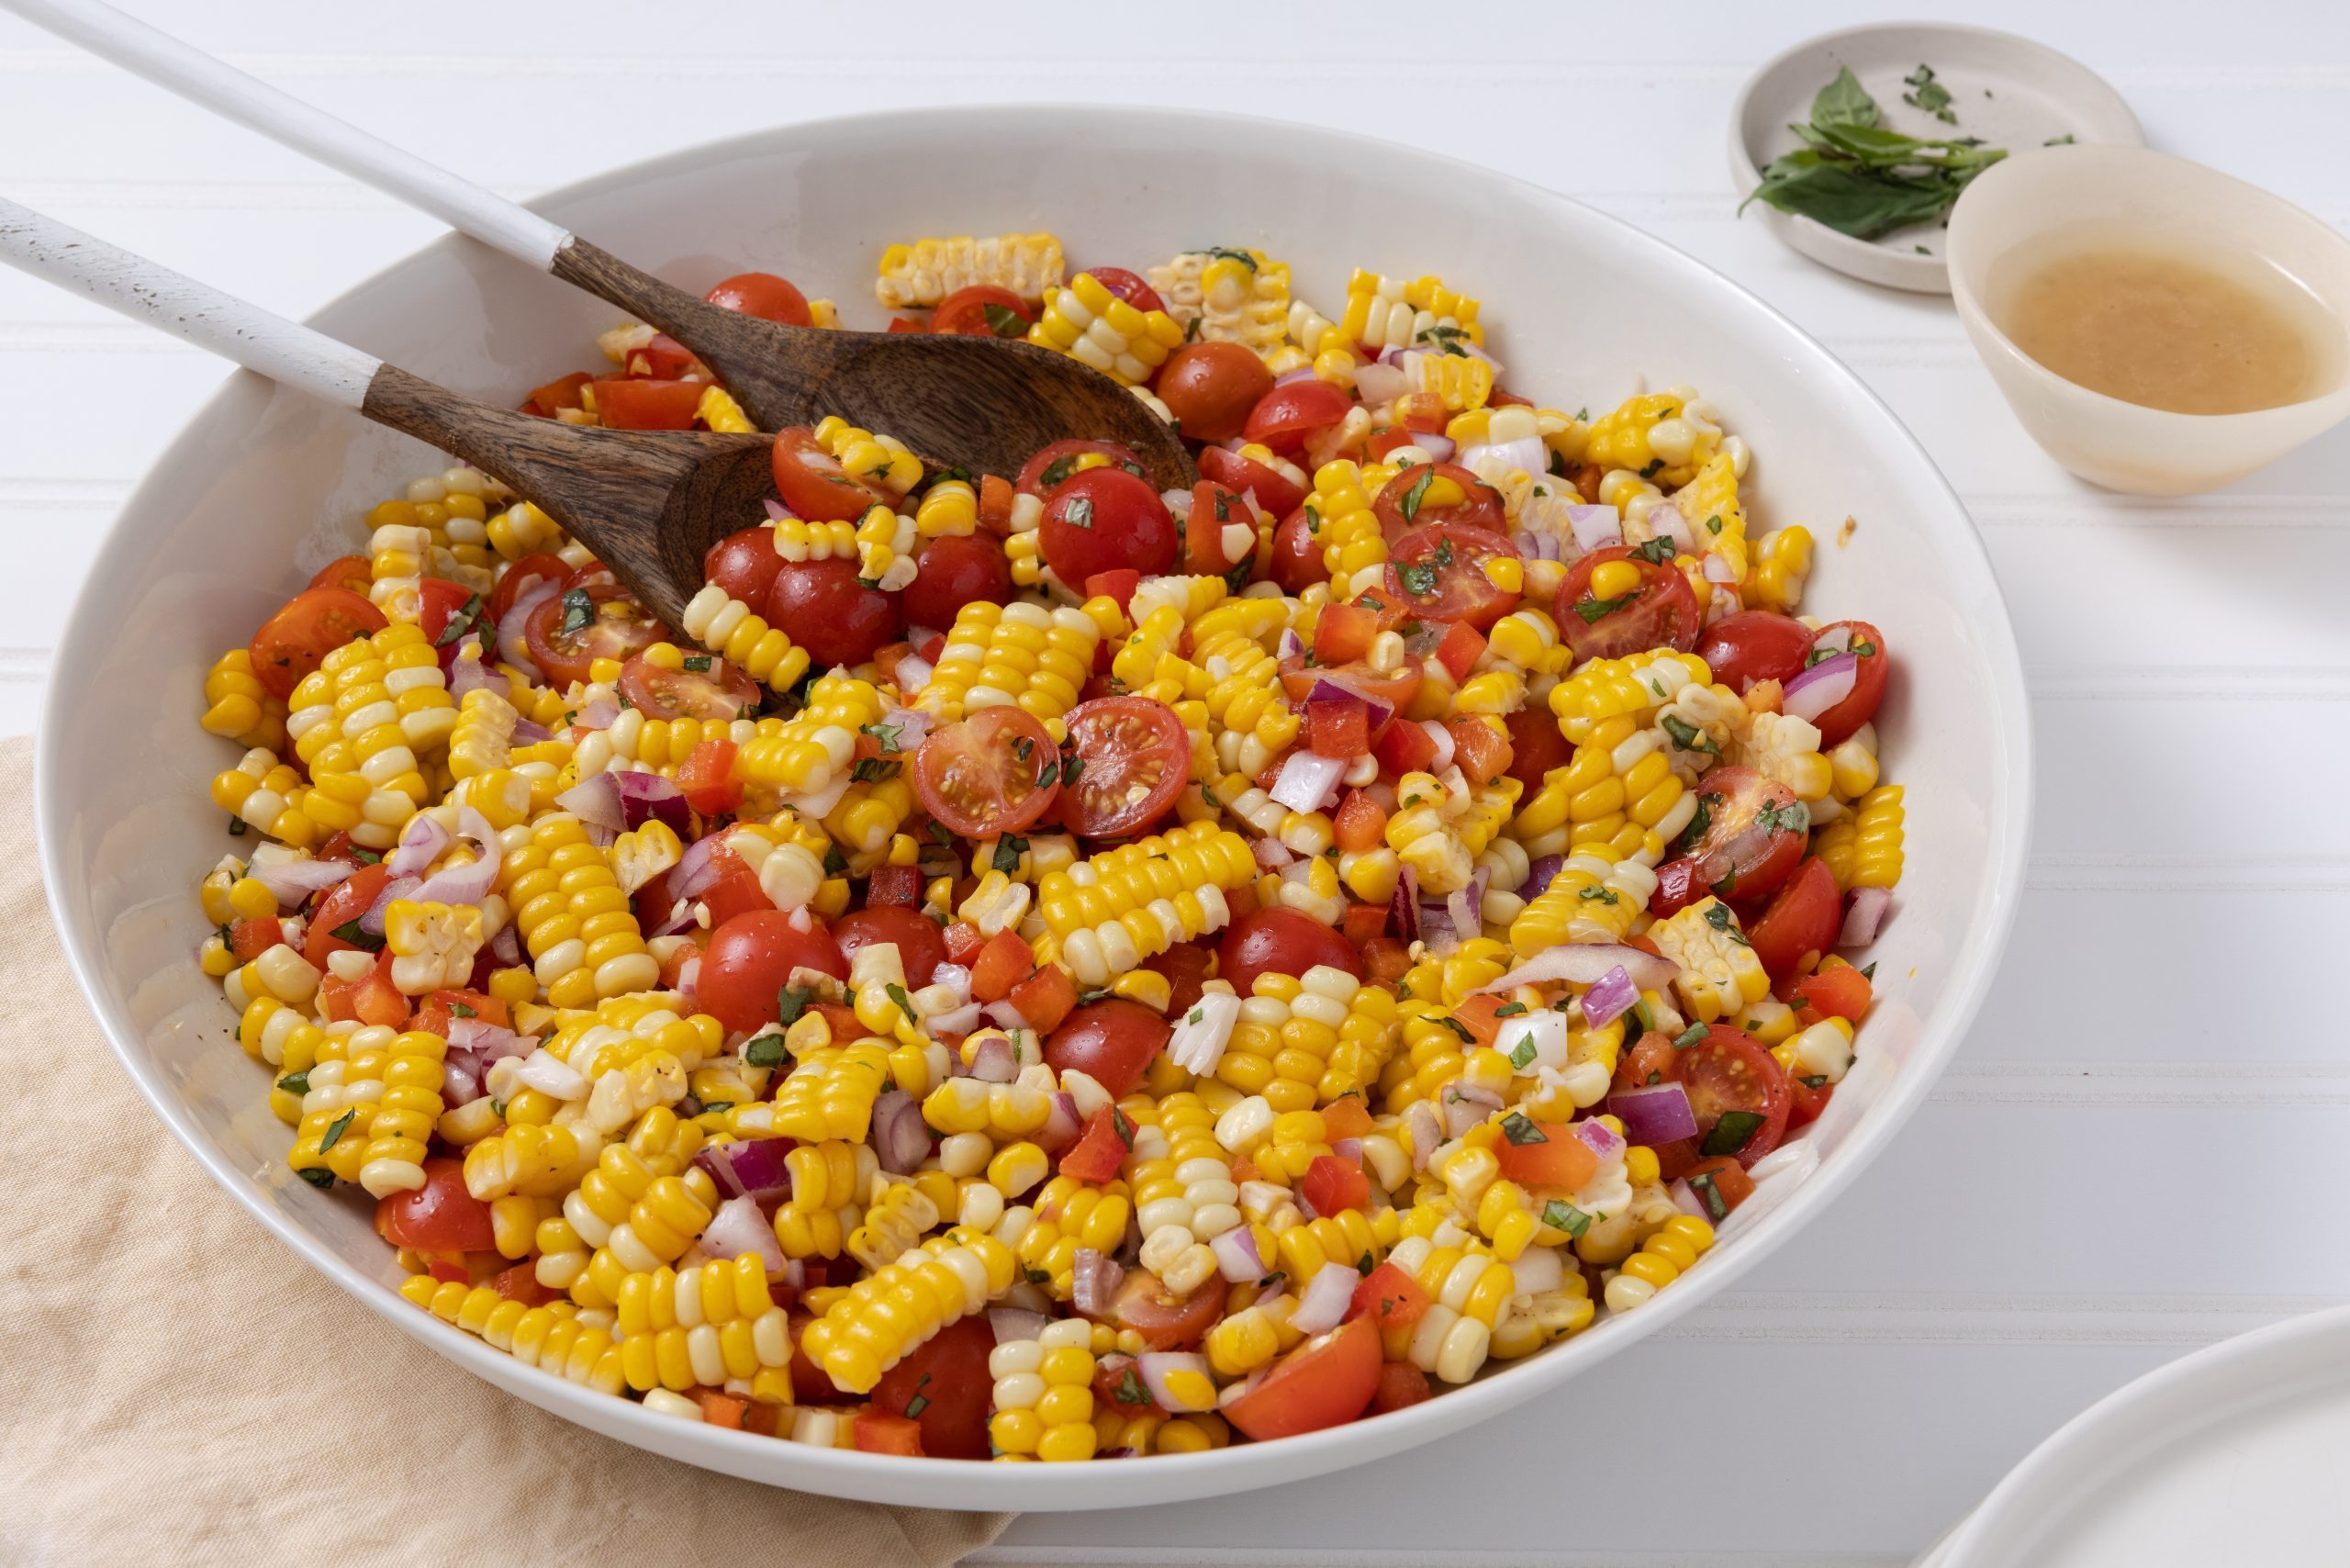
(1045, 998)
(895, 884)
(1000, 966)
(875, 1433)
(1460, 649)
(1101, 1147)
(1483, 754)
(1342, 633)
(707, 778)
(1332, 1183)
(1404, 747)
(1338, 726)
(1839, 993)
(1363, 921)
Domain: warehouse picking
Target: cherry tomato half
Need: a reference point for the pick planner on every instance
(1395, 689)
(943, 1387)
(1275, 491)
(982, 310)
(1166, 1321)
(643, 404)
(813, 484)
(922, 945)
(1105, 519)
(1439, 572)
(440, 1216)
(314, 623)
(1438, 492)
(1057, 463)
(1746, 838)
(1869, 675)
(1211, 388)
(1111, 1041)
(986, 776)
(1537, 744)
(1804, 917)
(342, 904)
(1281, 942)
(952, 572)
(350, 573)
(706, 687)
(1326, 1381)
(750, 960)
(764, 295)
(823, 606)
(1295, 564)
(1752, 645)
(1660, 612)
(1128, 286)
(744, 564)
(570, 631)
(1285, 416)
(1729, 1074)
(538, 567)
(1131, 756)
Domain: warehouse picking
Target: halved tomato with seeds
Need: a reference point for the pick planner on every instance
(1127, 758)
(987, 775)
(1444, 572)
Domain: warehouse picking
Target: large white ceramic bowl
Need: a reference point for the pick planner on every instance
(266, 485)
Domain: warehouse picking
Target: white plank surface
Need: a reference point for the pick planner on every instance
(2136, 1151)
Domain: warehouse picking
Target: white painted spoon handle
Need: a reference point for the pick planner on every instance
(163, 59)
(257, 339)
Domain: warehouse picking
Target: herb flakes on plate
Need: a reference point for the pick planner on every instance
(1861, 178)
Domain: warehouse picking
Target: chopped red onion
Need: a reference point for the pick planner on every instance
(1684, 1198)
(1322, 1305)
(1666, 522)
(596, 802)
(758, 1166)
(1094, 1279)
(460, 1082)
(371, 922)
(1003, 1016)
(912, 726)
(1595, 526)
(1271, 854)
(648, 796)
(1611, 997)
(1821, 687)
(1201, 1034)
(1404, 908)
(1427, 1132)
(1467, 907)
(1011, 1324)
(1587, 963)
(1060, 1128)
(1158, 1366)
(1657, 1114)
(712, 1159)
(1347, 1149)
(1719, 570)
(291, 881)
(1308, 782)
(1379, 382)
(1597, 1138)
(471, 671)
(1465, 1105)
(960, 1020)
(1526, 453)
(420, 845)
(1292, 646)
(993, 1061)
(600, 715)
(1326, 690)
(1439, 447)
(1237, 1258)
(513, 627)
(955, 978)
(690, 979)
(741, 1228)
(1834, 640)
(1540, 875)
(1443, 739)
(1538, 1271)
(1864, 914)
(1302, 372)
(527, 733)
(469, 883)
(1438, 934)
(505, 947)
(488, 1040)
(900, 1136)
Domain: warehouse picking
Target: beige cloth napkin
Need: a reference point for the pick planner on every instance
(170, 1376)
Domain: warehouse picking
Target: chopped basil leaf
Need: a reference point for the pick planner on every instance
(349, 932)
(938, 832)
(467, 617)
(1733, 1132)
(873, 769)
(1196, 1015)
(1243, 257)
(1710, 1196)
(1419, 579)
(579, 610)
(1813, 1080)
(336, 1128)
(1522, 1057)
(1693, 1035)
(884, 735)
(1713, 525)
(767, 1050)
(897, 993)
(1059, 469)
(1700, 822)
(1122, 1126)
(321, 1179)
(1655, 552)
(459, 1009)
(236, 828)
(1509, 1010)
(1686, 735)
(833, 863)
(1597, 894)
(1648, 469)
(1458, 1027)
(920, 1402)
(1518, 1130)
(2063, 141)
(295, 1084)
(1594, 611)
(1417, 492)
(1008, 850)
(1003, 321)
(1929, 95)
(367, 857)
(791, 1001)
(697, 662)
(1721, 920)
(1037, 1276)
(1130, 1390)
(1641, 1011)
(1559, 1215)
(1868, 971)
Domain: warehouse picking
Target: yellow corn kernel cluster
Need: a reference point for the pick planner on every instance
(1619, 792)
(1665, 436)
(1781, 747)
(269, 795)
(1716, 516)
(808, 753)
(830, 1094)
(1184, 1195)
(1388, 313)
(876, 1322)
(552, 1338)
(236, 706)
(1111, 912)
(1877, 836)
(949, 509)
(1090, 324)
(365, 721)
(1037, 659)
(1351, 541)
(897, 1221)
(1066, 1216)
(1460, 381)
(1467, 1290)
(877, 459)
(1236, 296)
(918, 276)
(574, 918)
(1636, 687)
(704, 1327)
(1288, 1032)
(1719, 973)
(1043, 1397)
(726, 627)
(432, 945)
(1597, 897)
(1782, 560)
(1439, 832)
(1663, 1258)
(721, 412)
(603, 1196)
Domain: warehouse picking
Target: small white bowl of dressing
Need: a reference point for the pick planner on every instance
(2159, 327)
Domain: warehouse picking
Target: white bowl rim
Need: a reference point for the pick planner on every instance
(2168, 165)
(943, 1482)
(1917, 274)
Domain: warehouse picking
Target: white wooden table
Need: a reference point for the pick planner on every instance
(2139, 1149)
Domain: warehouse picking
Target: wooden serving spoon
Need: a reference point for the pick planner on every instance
(648, 502)
(984, 404)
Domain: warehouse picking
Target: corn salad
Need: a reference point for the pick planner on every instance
(1036, 968)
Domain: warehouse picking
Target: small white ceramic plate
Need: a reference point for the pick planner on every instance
(2009, 91)
(2232, 1458)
